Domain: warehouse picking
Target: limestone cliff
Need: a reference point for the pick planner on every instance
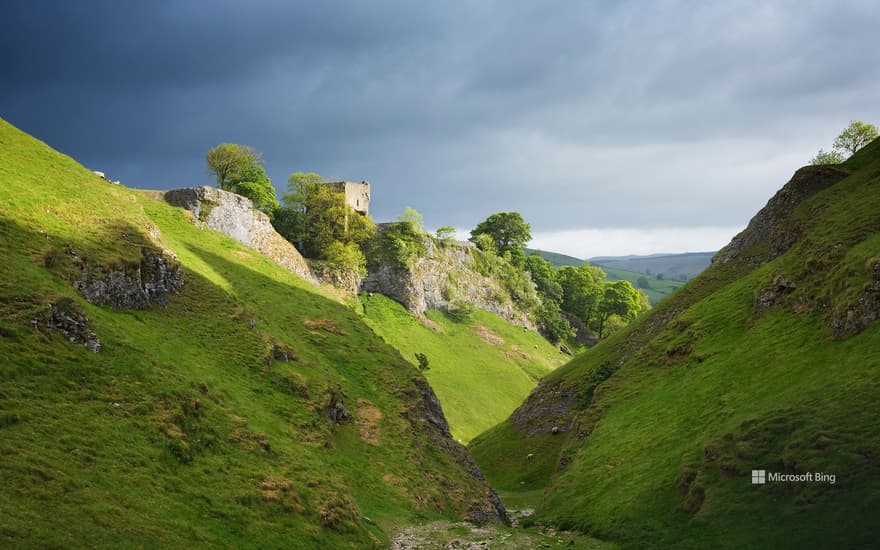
(444, 275)
(772, 231)
(236, 217)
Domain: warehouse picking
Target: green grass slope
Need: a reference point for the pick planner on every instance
(185, 430)
(481, 368)
(755, 364)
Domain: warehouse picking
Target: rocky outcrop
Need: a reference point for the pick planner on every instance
(854, 317)
(768, 296)
(443, 276)
(549, 408)
(582, 333)
(772, 231)
(70, 321)
(346, 279)
(236, 217)
(135, 286)
(335, 409)
(426, 416)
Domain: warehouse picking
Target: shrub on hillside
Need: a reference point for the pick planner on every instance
(399, 243)
(461, 310)
(345, 257)
(552, 324)
(446, 234)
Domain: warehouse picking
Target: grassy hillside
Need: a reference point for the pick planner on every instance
(481, 368)
(657, 289)
(673, 266)
(768, 361)
(206, 422)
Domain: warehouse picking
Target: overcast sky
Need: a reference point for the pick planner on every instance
(613, 127)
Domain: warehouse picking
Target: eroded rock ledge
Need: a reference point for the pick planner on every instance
(445, 274)
(236, 217)
(136, 286)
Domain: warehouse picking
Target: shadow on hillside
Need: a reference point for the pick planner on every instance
(249, 283)
(282, 307)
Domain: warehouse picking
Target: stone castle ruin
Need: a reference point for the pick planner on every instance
(357, 195)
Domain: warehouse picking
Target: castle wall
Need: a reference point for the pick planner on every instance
(357, 195)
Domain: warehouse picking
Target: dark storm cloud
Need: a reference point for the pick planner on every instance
(577, 114)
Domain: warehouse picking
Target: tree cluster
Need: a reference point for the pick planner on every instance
(239, 168)
(851, 139)
(509, 233)
(584, 293)
(578, 291)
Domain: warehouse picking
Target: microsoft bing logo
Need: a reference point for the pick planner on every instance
(759, 477)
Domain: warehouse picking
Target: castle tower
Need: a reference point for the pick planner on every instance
(357, 195)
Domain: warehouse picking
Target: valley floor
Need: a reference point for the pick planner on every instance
(466, 536)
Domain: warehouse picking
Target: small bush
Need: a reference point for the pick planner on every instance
(446, 234)
(345, 258)
(484, 262)
(423, 361)
(485, 243)
(598, 376)
(400, 243)
(461, 310)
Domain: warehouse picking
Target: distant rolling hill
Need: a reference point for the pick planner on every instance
(681, 267)
(555, 258)
(656, 289)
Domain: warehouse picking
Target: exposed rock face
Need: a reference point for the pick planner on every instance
(236, 217)
(132, 287)
(772, 232)
(426, 415)
(547, 409)
(336, 411)
(583, 334)
(66, 318)
(445, 274)
(855, 317)
(349, 280)
(768, 296)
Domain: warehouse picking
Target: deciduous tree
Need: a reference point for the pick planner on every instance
(329, 218)
(855, 136)
(254, 184)
(290, 218)
(228, 159)
(827, 157)
(412, 216)
(239, 169)
(619, 298)
(582, 289)
(508, 230)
